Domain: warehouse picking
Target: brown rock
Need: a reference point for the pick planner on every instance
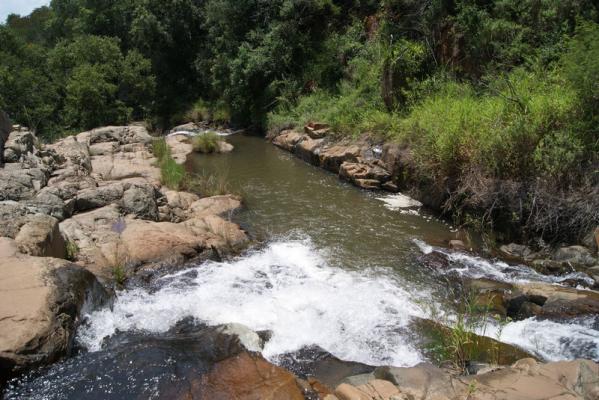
(224, 147)
(529, 380)
(216, 205)
(376, 389)
(40, 302)
(317, 130)
(144, 242)
(288, 139)
(248, 377)
(332, 157)
(308, 150)
(366, 175)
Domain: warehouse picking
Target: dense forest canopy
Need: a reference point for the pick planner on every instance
(506, 88)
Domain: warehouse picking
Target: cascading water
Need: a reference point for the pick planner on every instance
(286, 288)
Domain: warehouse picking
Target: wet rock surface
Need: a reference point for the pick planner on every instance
(190, 361)
(318, 363)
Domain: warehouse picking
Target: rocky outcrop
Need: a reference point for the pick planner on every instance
(360, 163)
(40, 303)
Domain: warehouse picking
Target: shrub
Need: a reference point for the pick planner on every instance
(207, 142)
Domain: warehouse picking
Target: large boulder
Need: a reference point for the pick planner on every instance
(140, 200)
(122, 135)
(41, 300)
(74, 155)
(17, 183)
(148, 243)
(245, 376)
(365, 174)
(139, 163)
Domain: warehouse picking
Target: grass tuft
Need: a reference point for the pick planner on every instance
(206, 143)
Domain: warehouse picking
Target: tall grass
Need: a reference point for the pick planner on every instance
(172, 175)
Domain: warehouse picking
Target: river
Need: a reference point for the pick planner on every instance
(333, 266)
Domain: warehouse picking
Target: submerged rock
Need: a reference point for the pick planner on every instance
(318, 363)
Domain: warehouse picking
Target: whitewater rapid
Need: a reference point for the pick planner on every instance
(290, 289)
(287, 288)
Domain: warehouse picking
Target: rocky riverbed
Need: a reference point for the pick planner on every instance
(67, 330)
(62, 201)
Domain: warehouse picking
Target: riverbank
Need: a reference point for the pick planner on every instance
(378, 165)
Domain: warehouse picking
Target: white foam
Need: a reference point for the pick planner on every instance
(475, 267)
(423, 247)
(399, 201)
(287, 288)
(554, 341)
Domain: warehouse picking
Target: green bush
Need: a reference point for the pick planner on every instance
(497, 131)
(207, 142)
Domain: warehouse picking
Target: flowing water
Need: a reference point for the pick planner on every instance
(335, 267)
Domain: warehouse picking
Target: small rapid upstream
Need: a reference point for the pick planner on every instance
(336, 268)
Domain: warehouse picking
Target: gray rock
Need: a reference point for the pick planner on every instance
(419, 382)
(120, 134)
(575, 255)
(141, 201)
(18, 144)
(73, 154)
(13, 216)
(514, 250)
(21, 184)
(101, 149)
(90, 199)
(40, 237)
